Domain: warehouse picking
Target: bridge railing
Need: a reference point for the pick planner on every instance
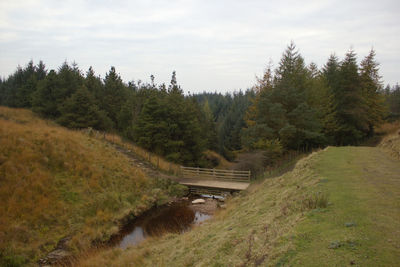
(215, 174)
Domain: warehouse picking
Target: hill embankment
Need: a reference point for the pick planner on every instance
(57, 184)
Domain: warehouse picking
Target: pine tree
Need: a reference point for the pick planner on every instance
(372, 91)
(27, 85)
(114, 95)
(45, 99)
(95, 86)
(350, 104)
(80, 111)
(151, 128)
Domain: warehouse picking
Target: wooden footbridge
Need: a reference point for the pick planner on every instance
(214, 181)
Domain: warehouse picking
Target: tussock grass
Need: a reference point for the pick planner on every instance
(56, 182)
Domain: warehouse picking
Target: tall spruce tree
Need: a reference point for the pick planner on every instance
(114, 95)
(372, 91)
(351, 108)
(45, 98)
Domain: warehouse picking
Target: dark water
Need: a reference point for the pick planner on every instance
(176, 218)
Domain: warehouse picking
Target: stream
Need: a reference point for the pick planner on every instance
(177, 217)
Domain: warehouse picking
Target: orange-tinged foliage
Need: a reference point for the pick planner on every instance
(56, 182)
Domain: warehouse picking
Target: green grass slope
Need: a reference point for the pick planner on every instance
(338, 207)
(57, 183)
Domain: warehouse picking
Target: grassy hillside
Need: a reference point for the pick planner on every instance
(57, 183)
(338, 207)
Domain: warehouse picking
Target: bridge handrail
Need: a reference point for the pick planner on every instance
(216, 174)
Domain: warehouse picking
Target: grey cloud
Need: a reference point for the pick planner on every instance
(213, 45)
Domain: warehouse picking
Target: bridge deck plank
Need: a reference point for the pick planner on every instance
(214, 184)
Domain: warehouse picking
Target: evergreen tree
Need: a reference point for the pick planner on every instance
(151, 129)
(80, 111)
(392, 100)
(45, 98)
(69, 80)
(350, 104)
(281, 111)
(26, 86)
(94, 85)
(114, 95)
(372, 91)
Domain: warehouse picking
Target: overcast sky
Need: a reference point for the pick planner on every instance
(213, 45)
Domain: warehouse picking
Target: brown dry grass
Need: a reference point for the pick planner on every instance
(391, 142)
(56, 182)
(157, 161)
(388, 128)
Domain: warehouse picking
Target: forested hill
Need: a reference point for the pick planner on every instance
(293, 107)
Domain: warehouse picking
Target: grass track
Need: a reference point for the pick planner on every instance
(364, 189)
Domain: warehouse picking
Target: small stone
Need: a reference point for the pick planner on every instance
(352, 262)
(221, 200)
(223, 206)
(334, 245)
(198, 201)
(185, 198)
(350, 224)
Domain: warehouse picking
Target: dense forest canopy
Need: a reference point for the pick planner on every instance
(294, 107)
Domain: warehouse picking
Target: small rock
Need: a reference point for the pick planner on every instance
(221, 199)
(223, 206)
(54, 257)
(350, 224)
(185, 198)
(334, 245)
(352, 262)
(198, 201)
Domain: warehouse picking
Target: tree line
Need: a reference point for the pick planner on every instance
(293, 107)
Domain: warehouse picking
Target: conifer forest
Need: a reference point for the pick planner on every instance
(291, 107)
